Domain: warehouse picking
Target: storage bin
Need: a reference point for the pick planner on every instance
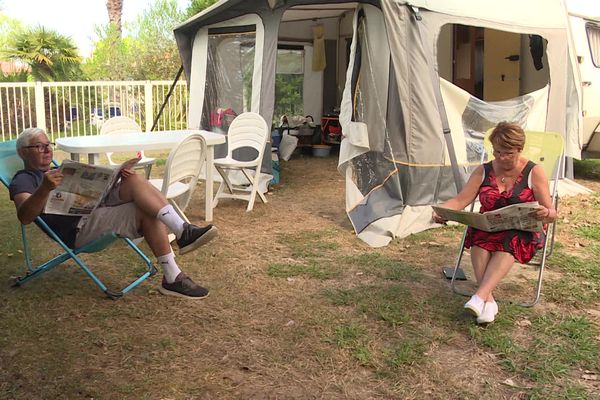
(321, 150)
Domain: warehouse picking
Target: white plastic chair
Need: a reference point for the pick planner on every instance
(182, 169)
(117, 125)
(248, 130)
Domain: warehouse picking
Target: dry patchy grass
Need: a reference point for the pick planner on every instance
(301, 309)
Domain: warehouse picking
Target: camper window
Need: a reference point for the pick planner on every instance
(593, 34)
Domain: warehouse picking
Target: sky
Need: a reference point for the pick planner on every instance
(74, 18)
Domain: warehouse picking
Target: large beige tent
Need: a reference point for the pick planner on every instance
(417, 84)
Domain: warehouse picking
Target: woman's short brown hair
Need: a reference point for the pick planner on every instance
(508, 136)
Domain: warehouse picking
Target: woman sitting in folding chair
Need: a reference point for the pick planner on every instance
(508, 179)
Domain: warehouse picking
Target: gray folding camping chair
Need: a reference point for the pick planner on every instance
(10, 163)
(545, 149)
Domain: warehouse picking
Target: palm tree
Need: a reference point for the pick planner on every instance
(50, 55)
(115, 12)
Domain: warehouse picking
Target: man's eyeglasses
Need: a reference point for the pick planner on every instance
(41, 147)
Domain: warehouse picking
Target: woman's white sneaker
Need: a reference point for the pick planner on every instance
(488, 315)
(475, 305)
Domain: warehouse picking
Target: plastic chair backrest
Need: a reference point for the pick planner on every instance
(117, 125)
(184, 164)
(543, 148)
(10, 162)
(248, 130)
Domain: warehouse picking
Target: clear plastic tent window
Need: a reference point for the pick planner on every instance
(229, 72)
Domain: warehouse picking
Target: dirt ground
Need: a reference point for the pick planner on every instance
(259, 335)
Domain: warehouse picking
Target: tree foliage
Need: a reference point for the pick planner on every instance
(49, 55)
(112, 56)
(155, 45)
(288, 96)
(147, 50)
(199, 5)
(9, 27)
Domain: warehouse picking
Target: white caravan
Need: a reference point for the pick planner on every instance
(584, 19)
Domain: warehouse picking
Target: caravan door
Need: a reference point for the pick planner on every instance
(486, 62)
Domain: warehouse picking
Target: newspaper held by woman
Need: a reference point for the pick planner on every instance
(515, 216)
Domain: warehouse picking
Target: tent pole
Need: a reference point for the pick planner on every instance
(162, 107)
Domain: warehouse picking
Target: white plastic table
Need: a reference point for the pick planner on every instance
(136, 141)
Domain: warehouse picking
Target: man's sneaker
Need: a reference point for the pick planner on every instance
(489, 313)
(184, 287)
(194, 236)
(475, 305)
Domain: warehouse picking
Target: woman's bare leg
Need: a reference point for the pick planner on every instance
(497, 267)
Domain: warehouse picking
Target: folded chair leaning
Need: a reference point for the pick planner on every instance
(545, 149)
(10, 163)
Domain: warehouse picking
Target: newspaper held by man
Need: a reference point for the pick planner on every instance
(515, 216)
(84, 187)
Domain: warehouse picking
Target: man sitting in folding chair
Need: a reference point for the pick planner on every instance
(134, 208)
(508, 179)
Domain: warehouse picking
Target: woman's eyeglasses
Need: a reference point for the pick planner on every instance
(41, 147)
(505, 154)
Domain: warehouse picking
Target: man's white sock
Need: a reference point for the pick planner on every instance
(169, 267)
(168, 216)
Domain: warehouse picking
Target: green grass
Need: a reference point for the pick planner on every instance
(424, 236)
(383, 266)
(547, 352)
(580, 283)
(353, 339)
(589, 169)
(374, 318)
(589, 232)
(312, 252)
(310, 244)
(312, 270)
(404, 353)
(160, 162)
(393, 309)
(552, 348)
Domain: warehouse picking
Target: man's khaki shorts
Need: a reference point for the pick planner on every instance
(112, 216)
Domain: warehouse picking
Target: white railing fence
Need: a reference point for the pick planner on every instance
(79, 108)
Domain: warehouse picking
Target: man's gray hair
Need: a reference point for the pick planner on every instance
(25, 137)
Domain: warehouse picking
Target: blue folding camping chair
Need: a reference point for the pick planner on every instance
(10, 163)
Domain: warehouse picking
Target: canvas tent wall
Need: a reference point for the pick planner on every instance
(410, 137)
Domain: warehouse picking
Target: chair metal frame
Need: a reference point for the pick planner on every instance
(123, 124)
(533, 145)
(10, 163)
(182, 170)
(248, 130)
